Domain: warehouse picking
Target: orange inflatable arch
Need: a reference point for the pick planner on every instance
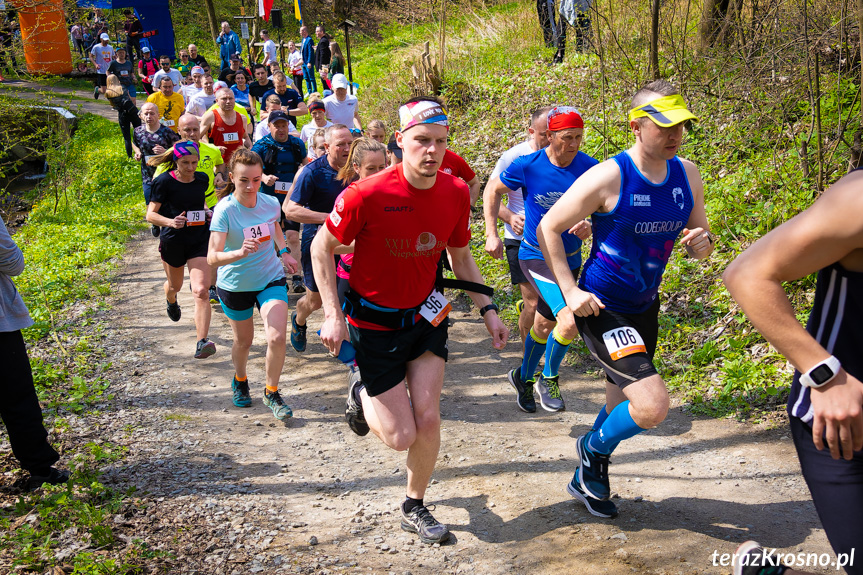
(43, 31)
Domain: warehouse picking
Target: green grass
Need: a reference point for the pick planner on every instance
(78, 228)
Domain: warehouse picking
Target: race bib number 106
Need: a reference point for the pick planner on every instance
(623, 341)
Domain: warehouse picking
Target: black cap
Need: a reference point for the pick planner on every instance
(394, 148)
(277, 115)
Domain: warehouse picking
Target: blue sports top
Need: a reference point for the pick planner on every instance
(632, 243)
(542, 184)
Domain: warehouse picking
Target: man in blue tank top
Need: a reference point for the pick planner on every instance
(543, 177)
(641, 202)
(825, 405)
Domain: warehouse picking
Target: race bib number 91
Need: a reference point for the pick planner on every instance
(623, 341)
(435, 308)
(260, 232)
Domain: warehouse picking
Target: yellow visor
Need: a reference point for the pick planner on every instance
(666, 111)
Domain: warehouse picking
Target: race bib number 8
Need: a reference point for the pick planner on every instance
(435, 308)
(260, 232)
(283, 187)
(623, 341)
(230, 137)
(196, 218)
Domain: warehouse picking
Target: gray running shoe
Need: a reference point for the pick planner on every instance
(548, 390)
(421, 522)
(524, 393)
(274, 401)
(205, 349)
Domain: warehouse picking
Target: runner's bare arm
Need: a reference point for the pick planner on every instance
(216, 254)
(696, 235)
(333, 331)
(297, 213)
(515, 221)
(247, 141)
(464, 267)
(155, 218)
(474, 186)
(829, 231)
(490, 211)
(595, 191)
(300, 110)
(288, 260)
(357, 124)
(206, 126)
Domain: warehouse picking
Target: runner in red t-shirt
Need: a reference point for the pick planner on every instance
(401, 220)
(457, 166)
(224, 127)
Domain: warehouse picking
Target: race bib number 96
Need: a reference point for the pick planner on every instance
(623, 341)
(259, 232)
(435, 308)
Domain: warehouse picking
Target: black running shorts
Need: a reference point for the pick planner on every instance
(542, 280)
(176, 254)
(515, 273)
(623, 343)
(382, 356)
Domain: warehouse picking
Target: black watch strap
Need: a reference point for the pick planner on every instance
(489, 307)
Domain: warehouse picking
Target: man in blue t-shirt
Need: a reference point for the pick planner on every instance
(292, 103)
(640, 203)
(283, 155)
(543, 177)
(312, 200)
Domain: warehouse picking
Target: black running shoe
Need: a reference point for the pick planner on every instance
(421, 522)
(523, 393)
(592, 471)
(205, 349)
(55, 477)
(297, 285)
(595, 506)
(298, 334)
(155, 230)
(96, 93)
(174, 311)
(750, 559)
(354, 410)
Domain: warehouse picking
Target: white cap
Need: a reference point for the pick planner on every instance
(104, 36)
(340, 81)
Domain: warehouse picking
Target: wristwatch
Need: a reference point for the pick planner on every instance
(284, 250)
(490, 306)
(822, 374)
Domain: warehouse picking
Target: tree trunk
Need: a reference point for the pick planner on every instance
(712, 22)
(860, 34)
(211, 16)
(654, 39)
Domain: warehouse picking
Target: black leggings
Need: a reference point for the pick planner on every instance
(837, 491)
(20, 408)
(128, 120)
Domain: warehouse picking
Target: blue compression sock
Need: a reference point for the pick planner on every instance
(618, 426)
(533, 350)
(555, 351)
(600, 418)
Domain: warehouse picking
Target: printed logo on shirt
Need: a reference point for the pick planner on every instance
(340, 206)
(398, 208)
(657, 227)
(447, 170)
(426, 241)
(335, 218)
(548, 200)
(677, 194)
(642, 200)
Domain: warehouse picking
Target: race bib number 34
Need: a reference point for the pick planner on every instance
(260, 232)
(623, 341)
(435, 308)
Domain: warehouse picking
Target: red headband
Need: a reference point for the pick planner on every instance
(563, 117)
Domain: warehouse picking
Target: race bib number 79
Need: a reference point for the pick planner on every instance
(196, 218)
(623, 341)
(435, 308)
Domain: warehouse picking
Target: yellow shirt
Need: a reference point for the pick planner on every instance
(170, 109)
(210, 158)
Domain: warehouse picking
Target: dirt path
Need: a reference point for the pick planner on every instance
(234, 491)
(63, 97)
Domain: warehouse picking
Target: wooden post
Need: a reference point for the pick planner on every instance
(654, 39)
(442, 58)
